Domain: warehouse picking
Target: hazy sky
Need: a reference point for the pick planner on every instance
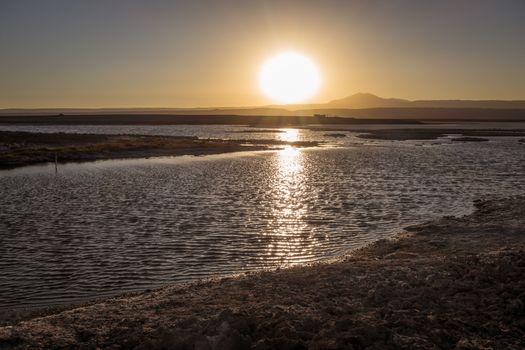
(154, 53)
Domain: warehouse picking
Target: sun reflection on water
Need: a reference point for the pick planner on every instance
(290, 239)
(290, 164)
(289, 135)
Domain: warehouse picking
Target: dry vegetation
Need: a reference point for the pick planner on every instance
(21, 148)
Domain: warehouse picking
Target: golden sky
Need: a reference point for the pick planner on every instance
(208, 53)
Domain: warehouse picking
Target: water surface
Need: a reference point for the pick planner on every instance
(101, 228)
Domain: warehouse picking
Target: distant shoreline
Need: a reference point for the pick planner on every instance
(25, 148)
(191, 119)
(261, 116)
(18, 148)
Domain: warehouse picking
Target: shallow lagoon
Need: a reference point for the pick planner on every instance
(101, 228)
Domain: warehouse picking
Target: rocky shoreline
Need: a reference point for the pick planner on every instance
(454, 283)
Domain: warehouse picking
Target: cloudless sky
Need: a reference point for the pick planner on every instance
(160, 53)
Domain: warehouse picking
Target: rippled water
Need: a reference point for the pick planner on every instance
(101, 228)
(236, 132)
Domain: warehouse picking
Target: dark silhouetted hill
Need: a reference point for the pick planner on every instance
(366, 100)
(360, 105)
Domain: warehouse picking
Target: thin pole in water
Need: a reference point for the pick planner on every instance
(56, 163)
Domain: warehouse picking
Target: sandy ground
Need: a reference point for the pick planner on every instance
(455, 283)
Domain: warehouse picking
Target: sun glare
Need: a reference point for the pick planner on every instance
(289, 135)
(289, 77)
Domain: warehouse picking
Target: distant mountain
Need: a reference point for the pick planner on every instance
(360, 105)
(366, 100)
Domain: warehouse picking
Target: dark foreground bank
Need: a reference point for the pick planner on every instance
(455, 283)
(24, 148)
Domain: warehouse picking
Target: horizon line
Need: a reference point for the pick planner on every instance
(276, 106)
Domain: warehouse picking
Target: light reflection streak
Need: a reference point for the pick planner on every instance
(289, 135)
(290, 238)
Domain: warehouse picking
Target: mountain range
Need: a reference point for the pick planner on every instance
(360, 105)
(366, 100)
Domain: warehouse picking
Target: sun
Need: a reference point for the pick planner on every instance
(289, 77)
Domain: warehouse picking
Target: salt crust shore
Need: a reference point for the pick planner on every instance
(454, 283)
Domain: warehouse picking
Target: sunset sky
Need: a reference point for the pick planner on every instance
(157, 53)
